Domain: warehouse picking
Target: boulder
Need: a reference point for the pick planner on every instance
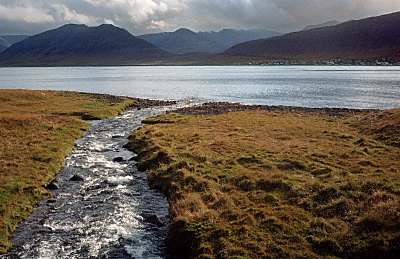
(118, 159)
(53, 185)
(76, 178)
(153, 219)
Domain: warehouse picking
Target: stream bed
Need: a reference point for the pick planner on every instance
(102, 206)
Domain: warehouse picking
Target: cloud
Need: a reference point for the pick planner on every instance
(63, 14)
(26, 14)
(142, 16)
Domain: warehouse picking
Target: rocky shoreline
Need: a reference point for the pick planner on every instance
(216, 108)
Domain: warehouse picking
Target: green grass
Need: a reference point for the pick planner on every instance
(37, 130)
(277, 184)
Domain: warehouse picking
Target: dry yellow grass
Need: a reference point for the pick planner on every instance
(276, 184)
(37, 130)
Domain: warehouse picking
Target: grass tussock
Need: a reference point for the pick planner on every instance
(277, 184)
(37, 130)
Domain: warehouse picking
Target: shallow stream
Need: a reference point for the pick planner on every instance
(103, 207)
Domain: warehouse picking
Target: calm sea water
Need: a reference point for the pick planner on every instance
(310, 86)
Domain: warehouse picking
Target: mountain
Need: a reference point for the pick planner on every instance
(3, 45)
(325, 24)
(371, 38)
(80, 44)
(184, 41)
(227, 38)
(9, 40)
(181, 41)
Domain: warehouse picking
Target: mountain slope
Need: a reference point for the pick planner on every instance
(375, 37)
(325, 24)
(184, 41)
(181, 41)
(227, 38)
(9, 40)
(69, 44)
(3, 45)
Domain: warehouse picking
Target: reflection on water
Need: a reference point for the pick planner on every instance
(311, 86)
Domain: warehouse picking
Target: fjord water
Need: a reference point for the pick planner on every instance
(309, 86)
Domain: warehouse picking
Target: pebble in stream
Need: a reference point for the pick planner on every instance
(103, 201)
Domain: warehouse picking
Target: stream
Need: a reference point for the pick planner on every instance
(102, 206)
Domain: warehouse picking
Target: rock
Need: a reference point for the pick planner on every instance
(153, 219)
(53, 185)
(50, 201)
(76, 178)
(116, 136)
(118, 159)
(134, 158)
(44, 230)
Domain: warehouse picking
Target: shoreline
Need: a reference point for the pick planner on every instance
(196, 65)
(216, 108)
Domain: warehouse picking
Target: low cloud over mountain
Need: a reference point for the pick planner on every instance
(146, 16)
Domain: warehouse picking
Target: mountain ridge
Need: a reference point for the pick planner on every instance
(374, 37)
(185, 41)
(374, 40)
(8, 40)
(83, 44)
(321, 25)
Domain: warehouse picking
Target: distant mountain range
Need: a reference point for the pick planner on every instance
(325, 24)
(80, 44)
(375, 37)
(185, 41)
(366, 40)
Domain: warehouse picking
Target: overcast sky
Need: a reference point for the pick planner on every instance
(143, 16)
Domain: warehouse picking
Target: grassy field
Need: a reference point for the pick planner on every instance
(281, 183)
(37, 130)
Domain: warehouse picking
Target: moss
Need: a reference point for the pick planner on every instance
(291, 165)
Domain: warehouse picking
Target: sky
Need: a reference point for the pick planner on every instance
(147, 16)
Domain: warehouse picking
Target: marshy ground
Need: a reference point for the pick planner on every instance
(275, 182)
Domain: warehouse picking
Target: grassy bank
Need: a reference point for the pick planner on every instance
(259, 182)
(37, 130)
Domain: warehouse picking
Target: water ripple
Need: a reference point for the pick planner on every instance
(102, 212)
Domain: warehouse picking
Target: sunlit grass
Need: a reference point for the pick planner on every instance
(260, 184)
